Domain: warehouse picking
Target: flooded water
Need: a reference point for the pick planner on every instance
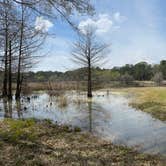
(107, 116)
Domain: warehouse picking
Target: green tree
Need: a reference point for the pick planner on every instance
(143, 71)
(163, 68)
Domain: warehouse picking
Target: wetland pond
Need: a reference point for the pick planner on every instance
(107, 116)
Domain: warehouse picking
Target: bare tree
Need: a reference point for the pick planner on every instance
(10, 71)
(5, 17)
(7, 30)
(126, 79)
(58, 8)
(19, 38)
(88, 53)
(158, 78)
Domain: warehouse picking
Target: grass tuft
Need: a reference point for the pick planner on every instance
(16, 130)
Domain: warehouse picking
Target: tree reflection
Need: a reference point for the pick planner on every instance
(19, 109)
(90, 115)
(7, 105)
(10, 106)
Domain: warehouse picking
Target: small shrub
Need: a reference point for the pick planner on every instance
(18, 130)
(77, 129)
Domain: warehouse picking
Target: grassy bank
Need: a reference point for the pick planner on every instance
(150, 99)
(33, 142)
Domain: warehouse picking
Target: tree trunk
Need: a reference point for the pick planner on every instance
(10, 72)
(18, 82)
(89, 80)
(19, 58)
(4, 90)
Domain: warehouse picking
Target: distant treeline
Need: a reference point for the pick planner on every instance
(141, 71)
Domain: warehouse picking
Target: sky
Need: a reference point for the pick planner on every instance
(134, 29)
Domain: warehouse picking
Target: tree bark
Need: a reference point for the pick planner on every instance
(10, 72)
(89, 80)
(17, 96)
(4, 90)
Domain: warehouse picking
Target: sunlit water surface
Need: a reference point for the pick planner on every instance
(107, 116)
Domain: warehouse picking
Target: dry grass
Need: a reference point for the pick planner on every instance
(62, 101)
(149, 99)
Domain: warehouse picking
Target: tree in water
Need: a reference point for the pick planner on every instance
(20, 39)
(89, 53)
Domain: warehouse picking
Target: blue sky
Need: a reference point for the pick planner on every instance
(134, 28)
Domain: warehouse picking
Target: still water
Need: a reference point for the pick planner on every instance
(107, 116)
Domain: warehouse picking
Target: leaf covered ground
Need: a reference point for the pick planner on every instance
(31, 142)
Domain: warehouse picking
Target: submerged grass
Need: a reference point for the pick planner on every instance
(60, 145)
(62, 101)
(150, 99)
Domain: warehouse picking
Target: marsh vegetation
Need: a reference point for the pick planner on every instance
(88, 115)
(108, 116)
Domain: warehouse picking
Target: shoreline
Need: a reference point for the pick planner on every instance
(151, 100)
(40, 142)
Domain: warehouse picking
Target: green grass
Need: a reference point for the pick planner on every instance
(60, 145)
(13, 131)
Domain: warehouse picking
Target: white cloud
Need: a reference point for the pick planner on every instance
(119, 18)
(140, 48)
(42, 24)
(102, 25)
(59, 61)
(56, 55)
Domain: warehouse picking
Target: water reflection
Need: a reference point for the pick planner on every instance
(90, 115)
(19, 109)
(107, 116)
(7, 105)
(11, 109)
